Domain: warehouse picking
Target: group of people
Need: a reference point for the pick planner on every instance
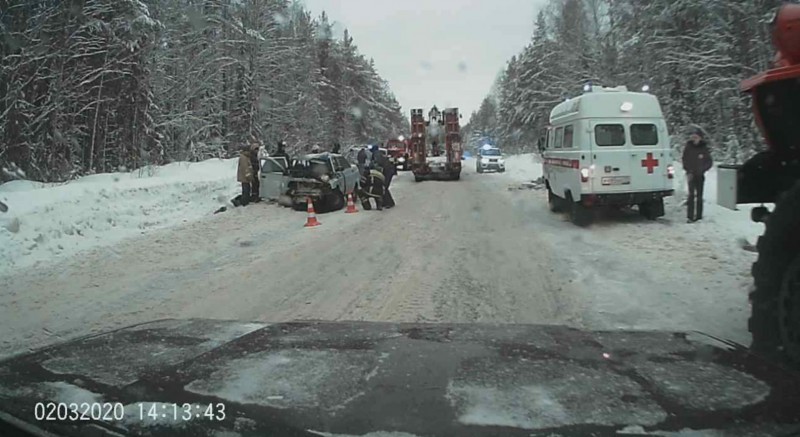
(377, 172)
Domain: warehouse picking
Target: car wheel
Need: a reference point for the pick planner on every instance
(417, 178)
(335, 201)
(479, 170)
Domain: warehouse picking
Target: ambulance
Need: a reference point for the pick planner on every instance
(609, 146)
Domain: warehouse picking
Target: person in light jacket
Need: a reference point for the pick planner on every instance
(696, 162)
(244, 175)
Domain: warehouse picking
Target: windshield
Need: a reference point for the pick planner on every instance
(287, 207)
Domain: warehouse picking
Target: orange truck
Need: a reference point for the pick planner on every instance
(773, 176)
(433, 162)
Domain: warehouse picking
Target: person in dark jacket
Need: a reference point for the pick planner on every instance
(281, 151)
(696, 162)
(244, 174)
(389, 170)
(371, 187)
(255, 186)
(361, 158)
(336, 148)
(376, 153)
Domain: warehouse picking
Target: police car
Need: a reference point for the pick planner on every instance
(489, 158)
(608, 146)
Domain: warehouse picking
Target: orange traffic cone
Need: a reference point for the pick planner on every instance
(312, 216)
(351, 206)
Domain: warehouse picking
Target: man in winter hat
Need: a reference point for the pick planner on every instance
(696, 162)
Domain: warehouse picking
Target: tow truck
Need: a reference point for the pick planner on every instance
(433, 162)
(773, 176)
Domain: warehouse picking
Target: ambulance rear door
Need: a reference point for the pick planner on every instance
(611, 157)
(649, 147)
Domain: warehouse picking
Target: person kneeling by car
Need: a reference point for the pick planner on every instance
(372, 186)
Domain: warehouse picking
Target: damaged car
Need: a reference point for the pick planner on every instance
(326, 178)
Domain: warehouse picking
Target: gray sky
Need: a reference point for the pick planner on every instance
(443, 52)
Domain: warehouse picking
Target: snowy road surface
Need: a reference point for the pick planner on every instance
(475, 250)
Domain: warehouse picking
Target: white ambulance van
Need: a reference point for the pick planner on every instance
(608, 146)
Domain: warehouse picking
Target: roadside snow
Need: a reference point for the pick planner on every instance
(46, 222)
(665, 274)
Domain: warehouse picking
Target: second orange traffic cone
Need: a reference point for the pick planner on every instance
(312, 216)
(351, 206)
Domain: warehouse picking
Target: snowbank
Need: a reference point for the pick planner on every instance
(49, 221)
(527, 167)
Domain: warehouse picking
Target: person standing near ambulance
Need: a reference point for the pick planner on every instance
(696, 162)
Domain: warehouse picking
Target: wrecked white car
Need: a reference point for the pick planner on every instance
(324, 177)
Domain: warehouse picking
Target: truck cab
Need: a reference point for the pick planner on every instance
(397, 152)
(608, 146)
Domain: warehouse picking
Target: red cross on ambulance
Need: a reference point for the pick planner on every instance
(650, 163)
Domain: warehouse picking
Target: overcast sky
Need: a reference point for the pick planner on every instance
(443, 52)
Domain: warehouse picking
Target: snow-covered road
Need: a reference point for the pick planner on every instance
(476, 250)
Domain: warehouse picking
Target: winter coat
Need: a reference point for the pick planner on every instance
(362, 157)
(387, 167)
(245, 172)
(697, 158)
(372, 183)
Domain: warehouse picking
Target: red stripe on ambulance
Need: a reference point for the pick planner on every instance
(559, 162)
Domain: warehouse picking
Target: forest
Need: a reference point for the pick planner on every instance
(90, 86)
(692, 54)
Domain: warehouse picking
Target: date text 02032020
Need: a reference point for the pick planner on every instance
(116, 411)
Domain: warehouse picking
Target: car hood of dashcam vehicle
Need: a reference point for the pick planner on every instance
(314, 378)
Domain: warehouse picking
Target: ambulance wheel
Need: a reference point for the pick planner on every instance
(775, 302)
(652, 210)
(556, 203)
(579, 214)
